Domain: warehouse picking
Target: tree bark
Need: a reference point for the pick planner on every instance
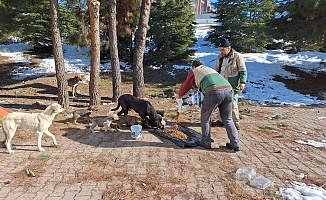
(63, 95)
(115, 64)
(138, 71)
(93, 8)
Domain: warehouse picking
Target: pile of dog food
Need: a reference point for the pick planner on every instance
(174, 131)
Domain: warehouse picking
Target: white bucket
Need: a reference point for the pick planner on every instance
(136, 131)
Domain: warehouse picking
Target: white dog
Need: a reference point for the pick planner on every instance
(39, 122)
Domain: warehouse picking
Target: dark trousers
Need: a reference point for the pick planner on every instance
(223, 100)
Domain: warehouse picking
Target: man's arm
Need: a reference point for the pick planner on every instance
(186, 85)
(242, 70)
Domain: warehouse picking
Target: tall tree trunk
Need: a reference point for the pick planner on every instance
(93, 8)
(138, 73)
(116, 75)
(63, 96)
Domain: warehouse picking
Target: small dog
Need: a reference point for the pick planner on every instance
(39, 122)
(73, 83)
(146, 123)
(80, 113)
(142, 107)
(128, 120)
(104, 121)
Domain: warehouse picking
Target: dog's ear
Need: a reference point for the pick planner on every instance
(56, 108)
(160, 112)
(115, 117)
(159, 117)
(93, 108)
(80, 77)
(110, 111)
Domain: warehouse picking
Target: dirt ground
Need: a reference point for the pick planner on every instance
(112, 166)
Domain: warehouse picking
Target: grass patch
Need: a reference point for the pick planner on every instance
(105, 81)
(279, 136)
(196, 117)
(245, 102)
(156, 94)
(268, 128)
(285, 125)
(173, 115)
(45, 157)
(245, 111)
(243, 116)
(162, 92)
(170, 91)
(278, 116)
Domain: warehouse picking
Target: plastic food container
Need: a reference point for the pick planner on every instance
(136, 131)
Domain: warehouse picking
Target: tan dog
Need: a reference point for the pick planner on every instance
(39, 122)
(128, 120)
(73, 83)
(104, 121)
(79, 113)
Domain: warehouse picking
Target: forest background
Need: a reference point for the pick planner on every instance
(142, 32)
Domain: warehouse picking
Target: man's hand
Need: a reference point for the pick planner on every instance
(177, 96)
(242, 86)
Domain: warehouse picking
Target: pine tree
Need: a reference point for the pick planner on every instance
(171, 30)
(7, 24)
(127, 20)
(63, 97)
(244, 23)
(140, 44)
(33, 22)
(74, 25)
(116, 74)
(302, 22)
(93, 10)
(30, 21)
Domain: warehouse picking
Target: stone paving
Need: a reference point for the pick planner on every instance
(115, 166)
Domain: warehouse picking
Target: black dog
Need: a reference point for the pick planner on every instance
(160, 112)
(142, 107)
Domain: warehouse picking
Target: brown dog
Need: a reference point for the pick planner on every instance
(128, 120)
(73, 83)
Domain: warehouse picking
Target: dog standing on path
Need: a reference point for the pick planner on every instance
(79, 113)
(73, 83)
(104, 121)
(142, 107)
(39, 122)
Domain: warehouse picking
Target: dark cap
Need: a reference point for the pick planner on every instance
(224, 43)
(196, 63)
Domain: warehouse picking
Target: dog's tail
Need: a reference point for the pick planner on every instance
(116, 108)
